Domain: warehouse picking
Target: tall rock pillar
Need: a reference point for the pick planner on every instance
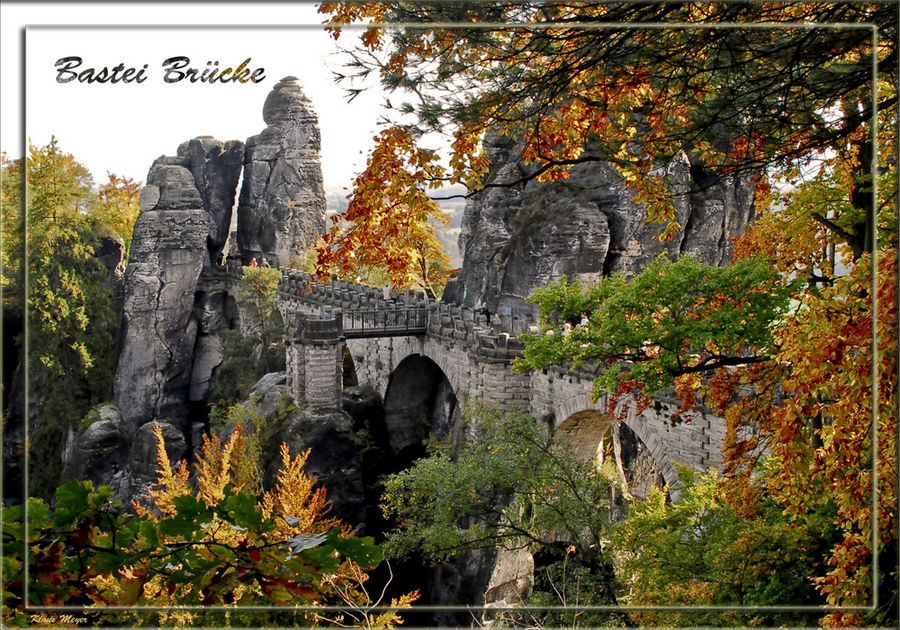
(282, 204)
(216, 167)
(184, 209)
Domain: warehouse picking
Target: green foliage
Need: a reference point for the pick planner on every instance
(697, 551)
(564, 577)
(247, 357)
(672, 319)
(512, 486)
(239, 368)
(76, 552)
(69, 314)
(259, 286)
(12, 218)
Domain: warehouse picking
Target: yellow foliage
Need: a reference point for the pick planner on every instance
(294, 496)
(220, 466)
(170, 483)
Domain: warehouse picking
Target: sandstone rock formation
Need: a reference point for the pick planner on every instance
(107, 451)
(215, 313)
(282, 203)
(334, 458)
(98, 450)
(515, 239)
(216, 167)
(178, 230)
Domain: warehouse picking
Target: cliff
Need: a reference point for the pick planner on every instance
(520, 237)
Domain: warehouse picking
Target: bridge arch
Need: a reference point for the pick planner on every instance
(419, 403)
(381, 333)
(643, 442)
(600, 438)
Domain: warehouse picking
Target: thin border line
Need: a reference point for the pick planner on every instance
(480, 26)
(873, 169)
(497, 26)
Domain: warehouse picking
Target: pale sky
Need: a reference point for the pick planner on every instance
(123, 127)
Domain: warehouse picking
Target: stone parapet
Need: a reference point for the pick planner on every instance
(495, 340)
(475, 356)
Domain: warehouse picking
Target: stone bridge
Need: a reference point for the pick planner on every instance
(426, 359)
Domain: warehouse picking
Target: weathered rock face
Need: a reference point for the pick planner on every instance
(282, 203)
(167, 255)
(107, 451)
(518, 238)
(215, 313)
(186, 208)
(334, 458)
(216, 167)
(99, 450)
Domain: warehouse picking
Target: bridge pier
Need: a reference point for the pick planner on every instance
(314, 352)
(474, 357)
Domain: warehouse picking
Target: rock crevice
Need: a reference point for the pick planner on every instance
(517, 238)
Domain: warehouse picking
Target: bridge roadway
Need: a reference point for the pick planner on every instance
(422, 356)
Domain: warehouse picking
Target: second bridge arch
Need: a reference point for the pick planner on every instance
(419, 404)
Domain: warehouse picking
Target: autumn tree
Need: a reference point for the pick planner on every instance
(800, 98)
(734, 87)
(388, 227)
(216, 541)
(49, 239)
(118, 208)
(811, 382)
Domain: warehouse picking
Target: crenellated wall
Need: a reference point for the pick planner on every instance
(475, 358)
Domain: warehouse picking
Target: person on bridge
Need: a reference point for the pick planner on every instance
(483, 309)
(386, 291)
(265, 263)
(253, 262)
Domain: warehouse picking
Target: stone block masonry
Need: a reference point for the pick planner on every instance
(475, 358)
(314, 352)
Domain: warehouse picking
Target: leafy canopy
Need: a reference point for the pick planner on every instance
(218, 544)
(511, 487)
(670, 321)
(697, 551)
(730, 87)
(67, 309)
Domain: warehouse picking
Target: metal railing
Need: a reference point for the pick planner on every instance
(390, 322)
